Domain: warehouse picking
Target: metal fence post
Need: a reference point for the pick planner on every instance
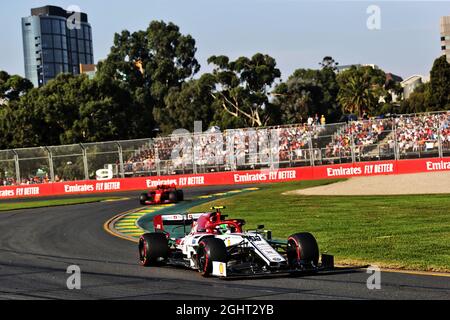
(312, 156)
(230, 149)
(121, 166)
(194, 155)
(17, 165)
(50, 163)
(353, 148)
(441, 152)
(85, 162)
(157, 162)
(396, 148)
(217, 151)
(269, 161)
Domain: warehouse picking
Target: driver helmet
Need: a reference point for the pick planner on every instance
(223, 228)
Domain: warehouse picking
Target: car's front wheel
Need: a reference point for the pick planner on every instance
(302, 250)
(210, 250)
(152, 248)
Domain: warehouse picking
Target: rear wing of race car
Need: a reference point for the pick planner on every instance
(186, 219)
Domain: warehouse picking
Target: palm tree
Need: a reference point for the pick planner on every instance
(358, 91)
(355, 94)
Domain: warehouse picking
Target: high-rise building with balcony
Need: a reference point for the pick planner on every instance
(445, 36)
(54, 44)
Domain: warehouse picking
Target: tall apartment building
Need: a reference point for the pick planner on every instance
(52, 44)
(445, 36)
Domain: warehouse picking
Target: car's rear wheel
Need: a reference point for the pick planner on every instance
(143, 199)
(152, 248)
(180, 195)
(303, 250)
(209, 250)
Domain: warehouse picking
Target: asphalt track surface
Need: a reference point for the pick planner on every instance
(38, 245)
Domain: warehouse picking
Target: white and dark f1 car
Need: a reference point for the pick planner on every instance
(219, 247)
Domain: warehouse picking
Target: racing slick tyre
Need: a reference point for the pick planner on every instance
(173, 197)
(209, 250)
(180, 195)
(152, 246)
(143, 199)
(302, 250)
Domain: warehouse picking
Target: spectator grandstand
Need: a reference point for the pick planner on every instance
(357, 138)
(422, 133)
(249, 147)
(312, 143)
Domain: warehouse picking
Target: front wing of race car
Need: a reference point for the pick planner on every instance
(271, 257)
(227, 271)
(265, 257)
(153, 202)
(233, 270)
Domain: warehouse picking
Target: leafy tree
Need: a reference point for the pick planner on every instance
(300, 96)
(13, 87)
(330, 87)
(103, 115)
(306, 93)
(45, 116)
(189, 103)
(418, 101)
(23, 124)
(148, 64)
(432, 96)
(242, 89)
(329, 63)
(6, 131)
(69, 109)
(440, 84)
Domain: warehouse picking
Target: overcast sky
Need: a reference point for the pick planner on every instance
(298, 33)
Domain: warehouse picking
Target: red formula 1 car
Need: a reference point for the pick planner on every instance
(161, 195)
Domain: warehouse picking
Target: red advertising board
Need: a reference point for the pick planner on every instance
(229, 178)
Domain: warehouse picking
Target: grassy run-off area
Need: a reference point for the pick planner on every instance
(404, 232)
(9, 206)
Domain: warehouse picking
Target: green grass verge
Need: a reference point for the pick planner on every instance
(402, 232)
(49, 203)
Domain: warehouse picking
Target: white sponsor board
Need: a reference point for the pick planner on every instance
(79, 188)
(383, 168)
(438, 166)
(20, 192)
(284, 175)
(180, 182)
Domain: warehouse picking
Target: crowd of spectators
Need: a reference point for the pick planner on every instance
(142, 161)
(422, 133)
(24, 181)
(412, 133)
(250, 147)
(5, 182)
(294, 141)
(229, 149)
(361, 135)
